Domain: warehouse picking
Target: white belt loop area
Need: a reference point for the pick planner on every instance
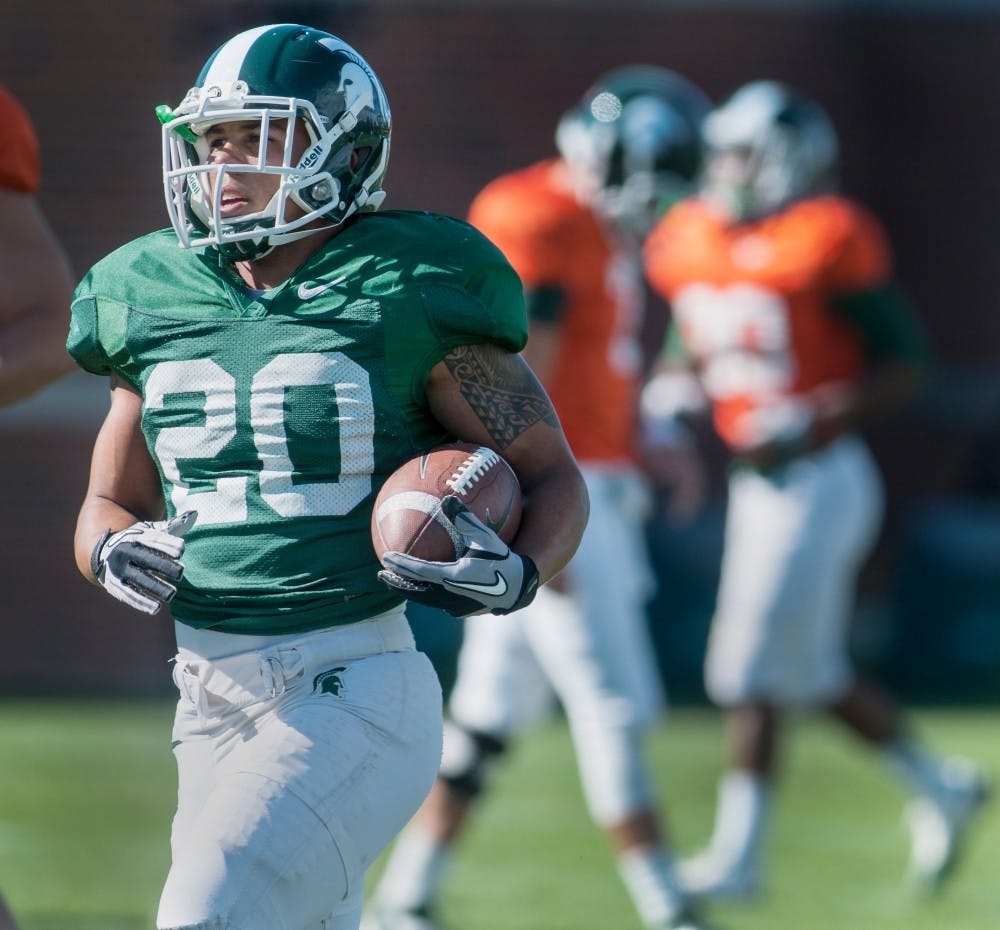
(246, 678)
(272, 674)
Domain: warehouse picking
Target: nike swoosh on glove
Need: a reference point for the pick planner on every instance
(139, 565)
(487, 577)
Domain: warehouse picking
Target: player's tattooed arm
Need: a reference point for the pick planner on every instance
(484, 394)
(500, 390)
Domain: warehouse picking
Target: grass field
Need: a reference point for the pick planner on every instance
(86, 792)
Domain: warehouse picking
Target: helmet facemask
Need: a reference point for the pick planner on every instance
(313, 182)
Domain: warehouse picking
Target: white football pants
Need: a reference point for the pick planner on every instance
(590, 646)
(299, 759)
(794, 544)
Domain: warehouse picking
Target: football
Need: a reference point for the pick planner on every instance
(407, 514)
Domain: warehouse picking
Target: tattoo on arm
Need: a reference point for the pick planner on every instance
(501, 390)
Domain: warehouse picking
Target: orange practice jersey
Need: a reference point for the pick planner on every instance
(752, 304)
(19, 162)
(553, 241)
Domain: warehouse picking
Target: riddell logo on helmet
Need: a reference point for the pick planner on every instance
(310, 158)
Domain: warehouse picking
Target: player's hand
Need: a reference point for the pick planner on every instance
(487, 576)
(140, 564)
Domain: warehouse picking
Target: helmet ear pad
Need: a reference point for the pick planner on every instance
(347, 167)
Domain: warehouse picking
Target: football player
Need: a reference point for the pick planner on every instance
(572, 227)
(36, 282)
(273, 358)
(785, 307)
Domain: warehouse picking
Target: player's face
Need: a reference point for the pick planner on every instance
(241, 143)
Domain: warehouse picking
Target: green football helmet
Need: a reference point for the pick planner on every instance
(633, 143)
(279, 72)
(767, 146)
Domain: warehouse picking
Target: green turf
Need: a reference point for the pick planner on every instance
(86, 793)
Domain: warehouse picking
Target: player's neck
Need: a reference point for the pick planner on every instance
(267, 273)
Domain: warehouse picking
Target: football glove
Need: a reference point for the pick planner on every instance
(487, 577)
(139, 565)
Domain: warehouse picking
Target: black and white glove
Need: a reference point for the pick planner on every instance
(487, 577)
(139, 565)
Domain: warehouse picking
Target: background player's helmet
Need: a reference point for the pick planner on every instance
(633, 143)
(767, 146)
(278, 72)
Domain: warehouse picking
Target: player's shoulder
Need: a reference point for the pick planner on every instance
(159, 242)
(544, 181)
(692, 210)
(102, 303)
(691, 215)
(440, 280)
(833, 217)
(689, 221)
(154, 256)
(422, 243)
(537, 198)
(20, 168)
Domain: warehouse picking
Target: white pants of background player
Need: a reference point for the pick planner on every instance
(794, 544)
(590, 646)
(299, 759)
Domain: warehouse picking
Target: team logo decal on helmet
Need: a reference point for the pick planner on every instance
(289, 73)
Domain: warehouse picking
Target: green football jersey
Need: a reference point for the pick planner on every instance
(277, 417)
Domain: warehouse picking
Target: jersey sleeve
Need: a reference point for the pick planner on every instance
(862, 259)
(473, 298)
(492, 310)
(20, 168)
(96, 339)
(83, 343)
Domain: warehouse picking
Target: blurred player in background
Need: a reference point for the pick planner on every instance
(784, 304)
(572, 227)
(36, 282)
(266, 377)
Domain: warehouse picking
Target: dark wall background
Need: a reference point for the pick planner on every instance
(476, 89)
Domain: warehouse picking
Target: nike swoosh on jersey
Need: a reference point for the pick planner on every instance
(497, 589)
(308, 293)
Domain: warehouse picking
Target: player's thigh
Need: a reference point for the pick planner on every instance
(854, 505)
(195, 756)
(499, 686)
(594, 640)
(612, 561)
(309, 794)
(792, 551)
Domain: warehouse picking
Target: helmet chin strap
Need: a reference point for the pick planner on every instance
(273, 241)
